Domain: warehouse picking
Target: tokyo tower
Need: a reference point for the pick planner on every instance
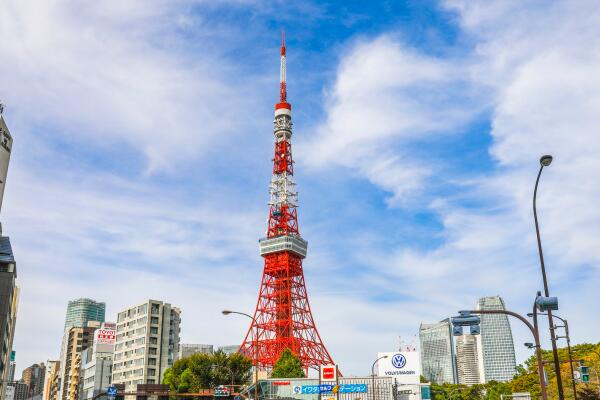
(283, 318)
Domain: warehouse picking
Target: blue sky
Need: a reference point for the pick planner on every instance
(143, 138)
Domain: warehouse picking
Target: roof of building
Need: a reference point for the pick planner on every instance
(6, 253)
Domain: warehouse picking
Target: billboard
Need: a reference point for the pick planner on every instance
(404, 366)
(104, 338)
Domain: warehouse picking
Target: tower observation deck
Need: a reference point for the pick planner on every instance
(283, 318)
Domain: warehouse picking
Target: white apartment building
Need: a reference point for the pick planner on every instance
(147, 343)
(96, 362)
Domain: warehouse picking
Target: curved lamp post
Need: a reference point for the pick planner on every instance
(227, 312)
(373, 374)
(545, 161)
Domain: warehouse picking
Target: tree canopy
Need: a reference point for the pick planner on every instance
(203, 371)
(288, 366)
(526, 379)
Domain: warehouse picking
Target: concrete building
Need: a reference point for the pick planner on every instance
(80, 313)
(17, 391)
(9, 298)
(147, 343)
(5, 151)
(52, 386)
(52, 370)
(187, 349)
(33, 377)
(467, 362)
(229, 349)
(438, 359)
(96, 362)
(78, 340)
(496, 350)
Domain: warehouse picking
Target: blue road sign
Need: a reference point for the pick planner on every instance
(111, 391)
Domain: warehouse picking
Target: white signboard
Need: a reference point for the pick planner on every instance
(405, 366)
(104, 338)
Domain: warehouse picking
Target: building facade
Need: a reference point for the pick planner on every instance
(33, 377)
(229, 349)
(187, 349)
(78, 340)
(52, 370)
(9, 298)
(467, 362)
(52, 386)
(147, 343)
(438, 359)
(495, 347)
(96, 362)
(17, 391)
(81, 311)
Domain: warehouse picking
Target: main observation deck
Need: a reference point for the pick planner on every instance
(291, 243)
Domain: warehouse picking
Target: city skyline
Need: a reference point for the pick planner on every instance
(417, 130)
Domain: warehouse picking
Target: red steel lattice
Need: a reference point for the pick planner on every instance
(283, 318)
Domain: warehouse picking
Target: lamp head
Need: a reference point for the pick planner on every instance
(546, 160)
(530, 315)
(226, 312)
(386, 356)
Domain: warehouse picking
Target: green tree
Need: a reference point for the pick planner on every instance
(204, 371)
(288, 366)
(587, 393)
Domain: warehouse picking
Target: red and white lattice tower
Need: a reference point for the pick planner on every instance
(283, 318)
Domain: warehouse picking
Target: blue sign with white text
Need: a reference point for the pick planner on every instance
(348, 388)
(111, 391)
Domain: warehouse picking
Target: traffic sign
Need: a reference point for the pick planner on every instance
(221, 391)
(111, 391)
(328, 372)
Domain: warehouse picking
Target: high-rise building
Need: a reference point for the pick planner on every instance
(467, 363)
(495, 344)
(33, 377)
(52, 370)
(147, 343)
(9, 291)
(81, 311)
(9, 298)
(187, 349)
(437, 352)
(78, 340)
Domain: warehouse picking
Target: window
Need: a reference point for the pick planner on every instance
(154, 320)
(154, 330)
(151, 372)
(153, 340)
(152, 361)
(152, 351)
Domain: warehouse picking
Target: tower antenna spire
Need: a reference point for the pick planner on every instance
(282, 84)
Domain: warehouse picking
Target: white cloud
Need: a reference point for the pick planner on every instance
(386, 94)
(117, 74)
(534, 67)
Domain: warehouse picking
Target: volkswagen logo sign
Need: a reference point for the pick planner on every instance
(398, 360)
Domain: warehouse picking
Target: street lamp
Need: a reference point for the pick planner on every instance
(545, 161)
(227, 312)
(566, 326)
(466, 319)
(373, 373)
